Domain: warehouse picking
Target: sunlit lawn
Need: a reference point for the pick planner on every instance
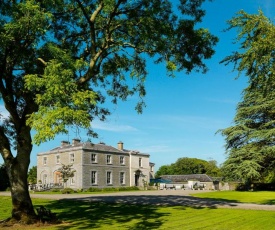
(86, 215)
(242, 197)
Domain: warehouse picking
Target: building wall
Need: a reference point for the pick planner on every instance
(101, 167)
(139, 166)
(53, 165)
(135, 168)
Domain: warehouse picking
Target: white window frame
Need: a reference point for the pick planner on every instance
(122, 160)
(73, 180)
(140, 162)
(72, 157)
(57, 158)
(109, 178)
(44, 179)
(94, 176)
(109, 159)
(95, 158)
(122, 178)
(45, 159)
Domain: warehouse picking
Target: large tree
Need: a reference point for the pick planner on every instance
(186, 165)
(60, 60)
(250, 142)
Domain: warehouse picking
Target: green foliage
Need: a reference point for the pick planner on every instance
(250, 141)
(113, 189)
(63, 62)
(66, 172)
(68, 191)
(124, 216)
(187, 165)
(32, 175)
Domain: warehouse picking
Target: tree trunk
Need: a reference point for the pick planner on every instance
(22, 208)
(17, 169)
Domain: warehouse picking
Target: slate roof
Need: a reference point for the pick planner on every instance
(189, 177)
(102, 147)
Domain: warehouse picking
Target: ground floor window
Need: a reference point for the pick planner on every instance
(94, 177)
(109, 178)
(122, 177)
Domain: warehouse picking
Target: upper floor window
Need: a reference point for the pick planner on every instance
(122, 160)
(57, 159)
(44, 160)
(140, 162)
(109, 159)
(71, 157)
(94, 177)
(122, 177)
(94, 158)
(109, 177)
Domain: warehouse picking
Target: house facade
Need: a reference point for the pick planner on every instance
(95, 165)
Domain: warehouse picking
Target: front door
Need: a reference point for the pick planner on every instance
(136, 180)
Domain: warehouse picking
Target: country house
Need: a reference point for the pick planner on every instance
(95, 165)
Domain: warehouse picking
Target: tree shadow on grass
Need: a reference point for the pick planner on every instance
(127, 212)
(91, 215)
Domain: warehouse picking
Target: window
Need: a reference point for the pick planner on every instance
(72, 180)
(94, 158)
(109, 177)
(122, 160)
(57, 159)
(44, 179)
(140, 162)
(71, 157)
(109, 159)
(44, 160)
(94, 177)
(122, 177)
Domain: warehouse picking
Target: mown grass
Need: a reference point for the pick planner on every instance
(87, 215)
(240, 197)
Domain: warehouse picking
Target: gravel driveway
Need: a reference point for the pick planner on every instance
(156, 197)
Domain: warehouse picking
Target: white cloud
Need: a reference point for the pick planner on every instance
(112, 127)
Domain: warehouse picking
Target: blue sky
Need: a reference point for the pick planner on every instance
(184, 113)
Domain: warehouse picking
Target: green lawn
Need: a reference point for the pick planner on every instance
(86, 215)
(240, 197)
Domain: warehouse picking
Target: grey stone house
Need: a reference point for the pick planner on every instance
(95, 165)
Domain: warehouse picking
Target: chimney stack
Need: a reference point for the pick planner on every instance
(64, 143)
(75, 141)
(120, 145)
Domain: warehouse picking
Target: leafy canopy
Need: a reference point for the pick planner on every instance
(250, 141)
(185, 165)
(62, 59)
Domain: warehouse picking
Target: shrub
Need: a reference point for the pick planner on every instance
(67, 191)
(93, 189)
(55, 190)
(110, 189)
(132, 188)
